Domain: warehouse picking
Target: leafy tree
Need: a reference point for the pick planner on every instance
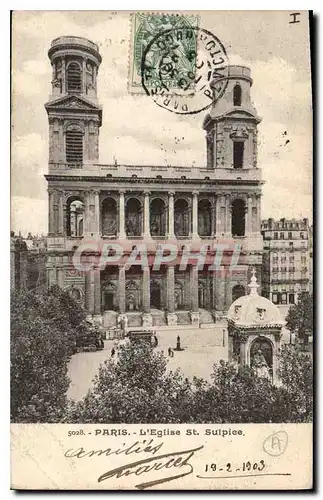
(300, 316)
(236, 396)
(136, 388)
(43, 328)
(296, 375)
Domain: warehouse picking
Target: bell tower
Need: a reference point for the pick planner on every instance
(74, 114)
(231, 125)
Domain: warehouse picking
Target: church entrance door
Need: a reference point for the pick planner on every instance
(108, 301)
(155, 301)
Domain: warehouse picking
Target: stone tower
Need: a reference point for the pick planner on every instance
(231, 126)
(74, 118)
(73, 112)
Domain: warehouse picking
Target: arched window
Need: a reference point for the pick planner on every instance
(238, 150)
(204, 218)
(74, 77)
(157, 217)
(74, 145)
(181, 218)
(237, 292)
(238, 218)
(133, 217)
(237, 95)
(74, 216)
(109, 217)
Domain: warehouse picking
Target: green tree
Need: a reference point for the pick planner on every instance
(43, 329)
(296, 374)
(299, 319)
(236, 396)
(136, 388)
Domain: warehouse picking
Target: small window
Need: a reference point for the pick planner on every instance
(301, 236)
(281, 236)
(237, 95)
(238, 149)
(290, 235)
(74, 146)
(284, 298)
(275, 236)
(275, 298)
(74, 78)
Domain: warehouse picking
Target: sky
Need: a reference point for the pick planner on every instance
(137, 131)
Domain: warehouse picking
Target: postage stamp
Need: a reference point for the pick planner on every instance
(145, 28)
(162, 263)
(185, 70)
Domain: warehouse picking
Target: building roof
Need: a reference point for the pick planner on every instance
(253, 310)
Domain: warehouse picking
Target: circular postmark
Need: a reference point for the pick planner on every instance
(276, 444)
(185, 70)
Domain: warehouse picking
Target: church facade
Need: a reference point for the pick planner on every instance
(216, 204)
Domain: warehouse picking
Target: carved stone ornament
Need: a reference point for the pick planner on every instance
(261, 314)
(56, 82)
(237, 310)
(239, 132)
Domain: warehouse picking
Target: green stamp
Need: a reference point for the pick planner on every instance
(147, 26)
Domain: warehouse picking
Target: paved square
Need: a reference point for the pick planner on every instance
(202, 348)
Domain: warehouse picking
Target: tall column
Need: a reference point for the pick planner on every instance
(86, 217)
(146, 290)
(64, 86)
(97, 213)
(258, 199)
(122, 232)
(146, 232)
(61, 213)
(89, 291)
(220, 215)
(194, 233)
(228, 228)
(213, 218)
(227, 294)
(171, 234)
(194, 288)
(122, 289)
(171, 289)
(214, 290)
(219, 294)
(84, 75)
(249, 215)
(97, 291)
(50, 211)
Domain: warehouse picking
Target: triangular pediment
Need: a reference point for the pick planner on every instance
(72, 102)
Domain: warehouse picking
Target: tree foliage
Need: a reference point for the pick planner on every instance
(136, 388)
(237, 396)
(299, 319)
(43, 329)
(296, 375)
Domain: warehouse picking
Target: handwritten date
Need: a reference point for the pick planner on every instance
(229, 467)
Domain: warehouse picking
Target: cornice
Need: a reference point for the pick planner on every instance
(145, 180)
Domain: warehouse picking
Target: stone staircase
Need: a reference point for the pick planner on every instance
(158, 317)
(183, 318)
(205, 316)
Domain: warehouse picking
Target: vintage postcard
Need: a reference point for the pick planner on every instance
(161, 251)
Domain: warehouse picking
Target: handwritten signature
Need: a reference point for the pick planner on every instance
(166, 461)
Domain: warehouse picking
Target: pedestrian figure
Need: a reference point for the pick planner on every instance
(178, 344)
(113, 351)
(169, 351)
